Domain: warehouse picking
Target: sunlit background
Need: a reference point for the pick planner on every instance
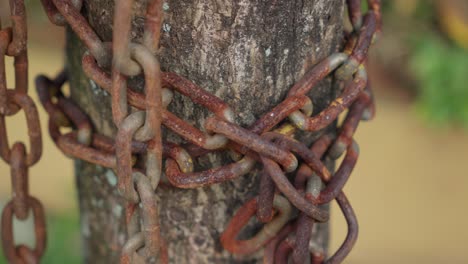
(410, 187)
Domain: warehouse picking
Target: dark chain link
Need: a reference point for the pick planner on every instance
(269, 141)
(13, 42)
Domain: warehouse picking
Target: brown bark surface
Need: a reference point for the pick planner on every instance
(247, 52)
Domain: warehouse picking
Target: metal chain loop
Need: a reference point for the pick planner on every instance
(142, 126)
(13, 42)
(24, 102)
(8, 241)
(269, 141)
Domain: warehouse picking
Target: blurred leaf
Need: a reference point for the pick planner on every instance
(453, 18)
(64, 243)
(442, 72)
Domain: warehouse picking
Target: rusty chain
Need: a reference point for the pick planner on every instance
(13, 43)
(269, 141)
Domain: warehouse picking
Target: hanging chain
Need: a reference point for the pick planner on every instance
(140, 125)
(13, 43)
(269, 141)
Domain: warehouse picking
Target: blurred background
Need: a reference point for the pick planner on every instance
(409, 189)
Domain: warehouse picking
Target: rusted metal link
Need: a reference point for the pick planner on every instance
(291, 145)
(19, 29)
(151, 128)
(337, 182)
(19, 181)
(21, 80)
(359, 53)
(21, 73)
(265, 198)
(270, 247)
(364, 40)
(80, 121)
(305, 223)
(193, 134)
(70, 146)
(93, 71)
(44, 88)
(301, 150)
(34, 130)
(312, 160)
(154, 161)
(284, 249)
(317, 73)
(154, 19)
(314, 184)
(207, 177)
(123, 52)
(369, 112)
(8, 242)
(305, 172)
(123, 140)
(129, 250)
(352, 234)
(329, 115)
(26, 255)
(5, 39)
(271, 119)
(153, 92)
(64, 112)
(269, 230)
(121, 60)
(84, 31)
(199, 95)
(376, 7)
(289, 244)
(135, 242)
(149, 214)
(355, 14)
(53, 14)
(283, 184)
(349, 126)
(132, 218)
(253, 141)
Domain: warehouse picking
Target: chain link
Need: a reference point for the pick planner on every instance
(13, 42)
(269, 141)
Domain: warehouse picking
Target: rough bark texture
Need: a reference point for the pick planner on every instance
(247, 52)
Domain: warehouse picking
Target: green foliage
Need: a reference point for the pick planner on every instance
(442, 72)
(64, 245)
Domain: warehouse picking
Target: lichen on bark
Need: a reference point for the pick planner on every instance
(247, 52)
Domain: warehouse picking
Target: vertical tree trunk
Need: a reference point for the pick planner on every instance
(247, 52)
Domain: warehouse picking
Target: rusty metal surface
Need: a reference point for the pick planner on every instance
(13, 43)
(287, 206)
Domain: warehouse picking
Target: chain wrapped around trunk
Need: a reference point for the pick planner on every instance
(288, 208)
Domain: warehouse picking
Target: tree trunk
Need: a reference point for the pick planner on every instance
(247, 52)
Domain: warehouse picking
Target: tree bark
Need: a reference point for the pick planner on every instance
(247, 52)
